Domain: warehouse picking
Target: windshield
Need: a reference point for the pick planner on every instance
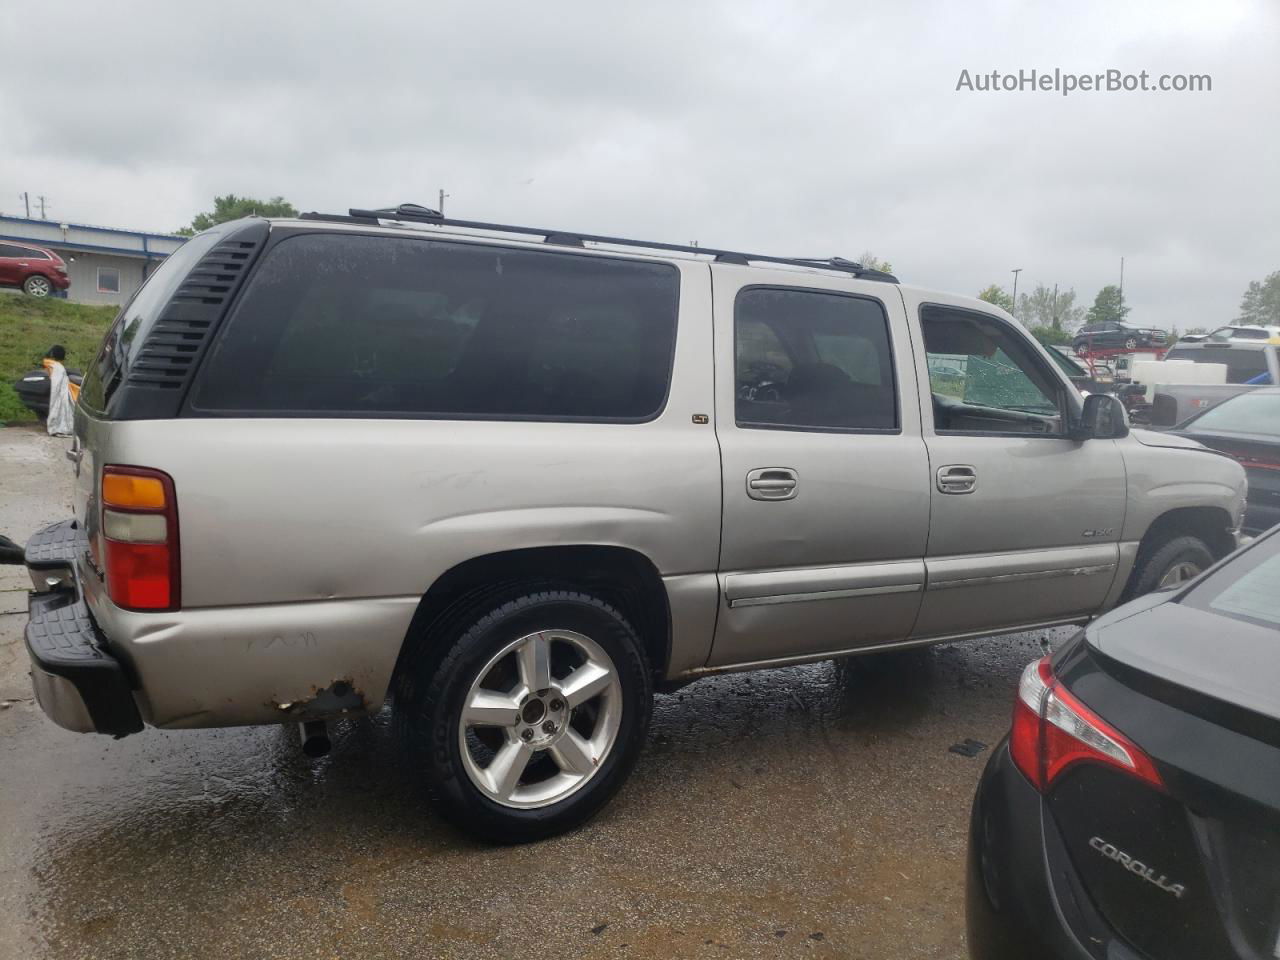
(1247, 413)
(1247, 588)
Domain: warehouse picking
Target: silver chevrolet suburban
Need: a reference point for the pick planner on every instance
(515, 480)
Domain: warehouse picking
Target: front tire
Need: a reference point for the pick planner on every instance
(1131, 343)
(533, 716)
(37, 286)
(1168, 564)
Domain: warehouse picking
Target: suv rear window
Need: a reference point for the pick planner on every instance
(1242, 364)
(388, 326)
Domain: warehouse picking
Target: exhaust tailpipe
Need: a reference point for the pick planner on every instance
(315, 738)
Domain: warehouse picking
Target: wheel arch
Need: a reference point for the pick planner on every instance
(1210, 524)
(622, 577)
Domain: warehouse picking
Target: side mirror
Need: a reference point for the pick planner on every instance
(1104, 418)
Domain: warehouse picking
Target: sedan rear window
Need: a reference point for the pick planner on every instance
(349, 325)
(1247, 588)
(1248, 413)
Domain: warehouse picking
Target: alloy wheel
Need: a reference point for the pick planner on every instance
(37, 286)
(1179, 573)
(540, 719)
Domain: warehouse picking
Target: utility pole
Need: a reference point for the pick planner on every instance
(1121, 307)
(1056, 324)
(26, 200)
(42, 200)
(440, 208)
(1015, 290)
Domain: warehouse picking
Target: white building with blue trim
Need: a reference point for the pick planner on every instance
(105, 264)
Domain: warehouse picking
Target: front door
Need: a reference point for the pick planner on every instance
(825, 496)
(1024, 522)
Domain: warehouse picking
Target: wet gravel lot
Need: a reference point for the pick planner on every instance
(810, 811)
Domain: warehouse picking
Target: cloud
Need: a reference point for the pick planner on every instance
(808, 129)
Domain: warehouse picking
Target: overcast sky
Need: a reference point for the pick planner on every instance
(799, 129)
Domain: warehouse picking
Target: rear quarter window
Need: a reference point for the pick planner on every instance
(352, 325)
(129, 330)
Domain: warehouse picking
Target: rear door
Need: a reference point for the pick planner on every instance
(10, 272)
(1024, 522)
(824, 471)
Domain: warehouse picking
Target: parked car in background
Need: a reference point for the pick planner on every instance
(33, 270)
(1249, 365)
(519, 482)
(1247, 428)
(33, 389)
(1133, 811)
(1235, 332)
(1112, 335)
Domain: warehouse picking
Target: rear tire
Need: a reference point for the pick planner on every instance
(37, 286)
(1168, 563)
(474, 713)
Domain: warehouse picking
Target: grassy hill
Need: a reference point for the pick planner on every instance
(29, 327)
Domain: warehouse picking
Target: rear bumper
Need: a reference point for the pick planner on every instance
(1022, 897)
(78, 683)
(97, 667)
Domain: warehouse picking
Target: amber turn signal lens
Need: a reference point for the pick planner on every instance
(124, 490)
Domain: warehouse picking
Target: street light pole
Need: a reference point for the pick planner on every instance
(1015, 290)
(440, 208)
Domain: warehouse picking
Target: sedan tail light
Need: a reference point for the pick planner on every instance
(1053, 731)
(139, 534)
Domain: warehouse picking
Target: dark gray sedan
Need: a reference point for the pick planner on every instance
(1247, 428)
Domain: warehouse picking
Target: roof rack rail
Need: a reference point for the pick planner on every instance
(415, 213)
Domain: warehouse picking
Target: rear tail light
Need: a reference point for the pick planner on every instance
(139, 533)
(1053, 731)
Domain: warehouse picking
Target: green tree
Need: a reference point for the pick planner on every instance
(232, 207)
(1108, 305)
(996, 295)
(1049, 334)
(1261, 302)
(872, 262)
(1046, 307)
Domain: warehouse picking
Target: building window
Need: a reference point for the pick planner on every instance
(108, 280)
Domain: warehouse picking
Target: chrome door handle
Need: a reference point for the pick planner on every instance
(957, 478)
(772, 483)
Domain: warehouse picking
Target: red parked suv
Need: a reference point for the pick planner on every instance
(36, 270)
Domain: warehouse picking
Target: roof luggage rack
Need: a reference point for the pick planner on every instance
(415, 213)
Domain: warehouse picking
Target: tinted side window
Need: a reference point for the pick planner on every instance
(34, 254)
(8, 250)
(810, 359)
(360, 325)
